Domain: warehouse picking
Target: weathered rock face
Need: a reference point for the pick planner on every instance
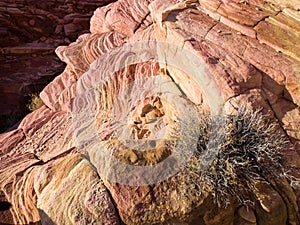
(26, 21)
(23, 74)
(29, 33)
(99, 151)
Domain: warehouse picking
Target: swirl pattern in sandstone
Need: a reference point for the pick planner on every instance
(130, 87)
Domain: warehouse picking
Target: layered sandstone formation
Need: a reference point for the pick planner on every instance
(26, 21)
(29, 33)
(144, 66)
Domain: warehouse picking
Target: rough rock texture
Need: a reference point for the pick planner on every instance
(29, 33)
(210, 53)
(25, 21)
(23, 74)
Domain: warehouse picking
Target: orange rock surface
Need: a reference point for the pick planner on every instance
(144, 66)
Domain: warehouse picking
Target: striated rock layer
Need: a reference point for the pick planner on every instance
(26, 21)
(98, 151)
(29, 33)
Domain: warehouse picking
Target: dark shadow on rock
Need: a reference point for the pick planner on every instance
(278, 98)
(6, 217)
(5, 214)
(45, 219)
(4, 205)
(35, 223)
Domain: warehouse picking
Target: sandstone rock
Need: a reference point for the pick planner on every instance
(71, 182)
(5, 214)
(25, 197)
(71, 29)
(247, 214)
(24, 27)
(242, 29)
(270, 200)
(108, 18)
(287, 4)
(119, 105)
(241, 12)
(18, 83)
(10, 139)
(87, 48)
(42, 17)
(276, 31)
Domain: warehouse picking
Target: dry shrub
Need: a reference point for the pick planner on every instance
(231, 160)
(35, 102)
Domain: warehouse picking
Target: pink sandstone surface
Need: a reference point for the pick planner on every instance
(210, 54)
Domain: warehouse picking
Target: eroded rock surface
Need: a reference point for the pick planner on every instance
(29, 33)
(143, 72)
